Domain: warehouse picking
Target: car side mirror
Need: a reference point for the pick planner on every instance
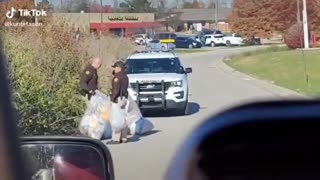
(66, 158)
(188, 70)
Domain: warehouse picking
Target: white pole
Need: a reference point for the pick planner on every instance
(35, 6)
(305, 25)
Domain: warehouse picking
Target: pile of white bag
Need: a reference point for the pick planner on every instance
(96, 120)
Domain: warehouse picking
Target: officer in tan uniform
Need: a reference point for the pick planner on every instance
(119, 96)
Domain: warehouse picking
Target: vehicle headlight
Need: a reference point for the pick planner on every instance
(176, 83)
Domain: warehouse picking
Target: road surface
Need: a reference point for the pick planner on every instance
(212, 88)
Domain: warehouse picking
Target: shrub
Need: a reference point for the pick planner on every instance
(294, 37)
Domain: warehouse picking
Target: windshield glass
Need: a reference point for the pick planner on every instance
(161, 65)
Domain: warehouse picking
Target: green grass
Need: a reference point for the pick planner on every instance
(283, 67)
(187, 51)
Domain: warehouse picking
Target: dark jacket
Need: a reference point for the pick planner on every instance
(120, 83)
(89, 80)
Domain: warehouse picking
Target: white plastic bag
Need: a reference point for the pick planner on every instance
(141, 126)
(133, 112)
(107, 132)
(94, 121)
(92, 126)
(118, 115)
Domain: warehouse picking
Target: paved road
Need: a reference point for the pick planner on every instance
(212, 88)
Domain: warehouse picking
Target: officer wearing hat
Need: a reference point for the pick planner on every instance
(119, 96)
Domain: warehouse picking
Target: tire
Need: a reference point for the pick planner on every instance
(228, 43)
(190, 46)
(141, 42)
(213, 44)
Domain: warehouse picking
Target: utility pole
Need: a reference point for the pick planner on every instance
(305, 25)
(101, 23)
(35, 17)
(298, 12)
(216, 14)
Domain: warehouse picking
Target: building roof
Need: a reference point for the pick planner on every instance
(201, 14)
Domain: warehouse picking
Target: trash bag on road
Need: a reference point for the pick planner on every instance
(96, 117)
(135, 120)
(141, 126)
(118, 115)
(107, 132)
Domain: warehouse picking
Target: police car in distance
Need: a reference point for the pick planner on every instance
(158, 81)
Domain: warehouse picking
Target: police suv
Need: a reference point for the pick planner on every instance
(157, 80)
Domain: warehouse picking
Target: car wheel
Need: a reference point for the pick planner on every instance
(190, 46)
(213, 44)
(163, 48)
(141, 42)
(228, 43)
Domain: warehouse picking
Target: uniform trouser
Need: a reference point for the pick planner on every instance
(120, 135)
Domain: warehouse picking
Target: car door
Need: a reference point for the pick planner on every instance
(218, 39)
(207, 39)
(179, 42)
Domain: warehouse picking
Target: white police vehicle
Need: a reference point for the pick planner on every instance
(157, 80)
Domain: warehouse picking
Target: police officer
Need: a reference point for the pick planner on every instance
(119, 96)
(89, 78)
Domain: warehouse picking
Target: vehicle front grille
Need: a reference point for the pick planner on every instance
(150, 87)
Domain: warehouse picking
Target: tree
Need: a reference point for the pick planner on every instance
(211, 5)
(17, 4)
(187, 5)
(262, 18)
(45, 4)
(136, 6)
(80, 5)
(95, 7)
(161, 9)
(195, 4)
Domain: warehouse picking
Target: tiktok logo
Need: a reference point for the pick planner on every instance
(10, 13)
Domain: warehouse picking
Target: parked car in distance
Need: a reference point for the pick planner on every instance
(233, 39)
(157, 45)
(141, 39)
(213, 40)
(187, 42)
(165, 37)
(204, 32)
(249, 41)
